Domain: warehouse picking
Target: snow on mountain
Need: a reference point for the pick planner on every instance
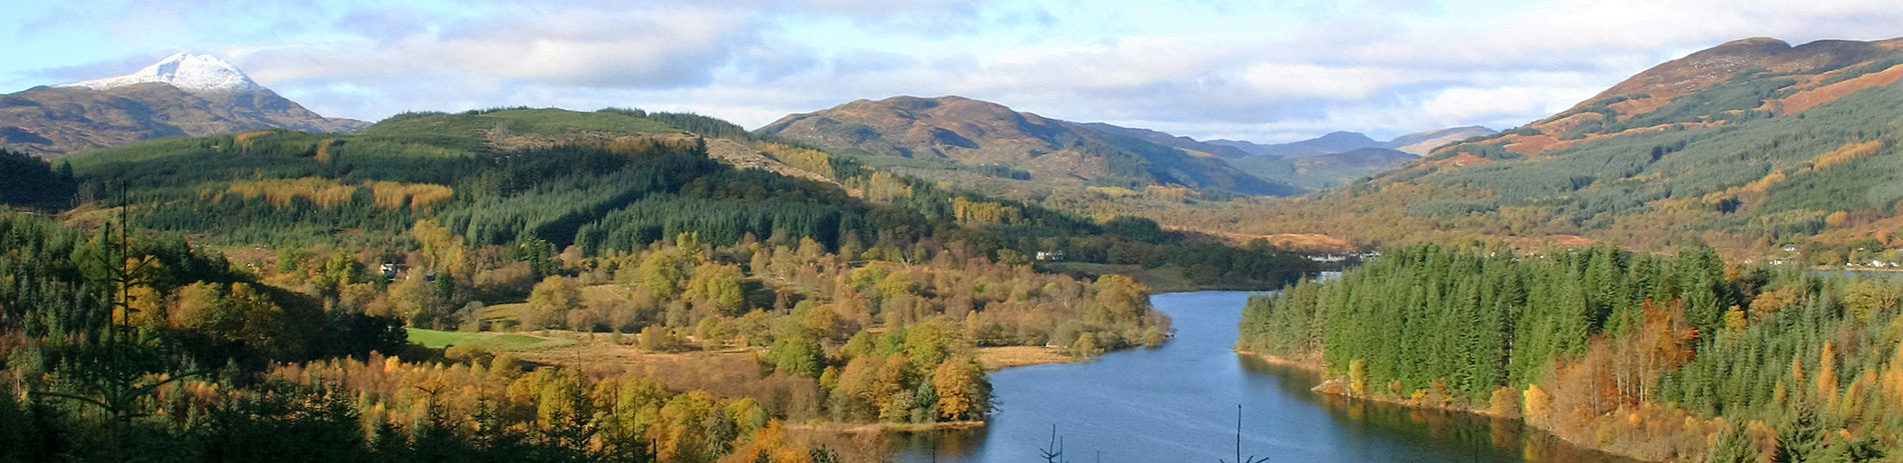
(191, 72)
(201, 95)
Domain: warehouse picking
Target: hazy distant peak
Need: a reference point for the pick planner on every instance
(191, 72)
(1344, 135)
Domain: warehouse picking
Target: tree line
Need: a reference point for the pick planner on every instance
(1684, 356)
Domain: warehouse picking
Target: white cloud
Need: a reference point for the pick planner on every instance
(1260, 70)
(1486, 104)
(634, 49)
(1318, 82)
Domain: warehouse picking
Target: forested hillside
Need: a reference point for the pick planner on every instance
(593, 286)
(32, 183)
(603, 182)
(1748, 147)
(1684, 358)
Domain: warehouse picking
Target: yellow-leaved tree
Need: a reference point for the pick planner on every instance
(550, 302)
(963, 392)
(715, 289)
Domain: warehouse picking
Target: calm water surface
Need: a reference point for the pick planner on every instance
(1178, 403)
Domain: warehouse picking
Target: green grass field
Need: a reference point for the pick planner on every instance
(495, 342)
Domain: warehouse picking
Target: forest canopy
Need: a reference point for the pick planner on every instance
(1683, 355)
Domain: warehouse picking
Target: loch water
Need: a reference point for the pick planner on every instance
(1178, 403)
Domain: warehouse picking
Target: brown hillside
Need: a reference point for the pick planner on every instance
(1808, 99)
(1797, 77)
(1719, 64)
(56, 121)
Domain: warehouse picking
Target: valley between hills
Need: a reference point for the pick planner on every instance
(1686, 266)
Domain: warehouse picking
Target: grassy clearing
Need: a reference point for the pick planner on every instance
(504, 314)
(494, 342)
(997, 358)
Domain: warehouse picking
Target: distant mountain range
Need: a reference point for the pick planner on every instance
(182, 95)
(1329, 160)
(952, 137)
(1334, 142)
(1339, 157)
(975, 144)
(1418, 143)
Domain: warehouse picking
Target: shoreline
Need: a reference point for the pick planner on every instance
(992, 359)
(838, 427)
(1272, 359)
(1334, 387)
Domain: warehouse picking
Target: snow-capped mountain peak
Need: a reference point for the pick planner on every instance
(191, 72)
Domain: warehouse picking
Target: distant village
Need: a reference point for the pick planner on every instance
(1859, 258)
(1336, 258)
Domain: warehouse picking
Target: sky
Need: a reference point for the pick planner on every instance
(1264, 70)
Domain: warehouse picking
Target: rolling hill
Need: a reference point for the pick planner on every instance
(1747, 146)
(182, 95)
(965, 141)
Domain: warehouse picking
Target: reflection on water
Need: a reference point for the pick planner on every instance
(1481, 437)
(1178, 402)
(957, 445)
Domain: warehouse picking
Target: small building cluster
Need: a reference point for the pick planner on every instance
(1343, 257)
